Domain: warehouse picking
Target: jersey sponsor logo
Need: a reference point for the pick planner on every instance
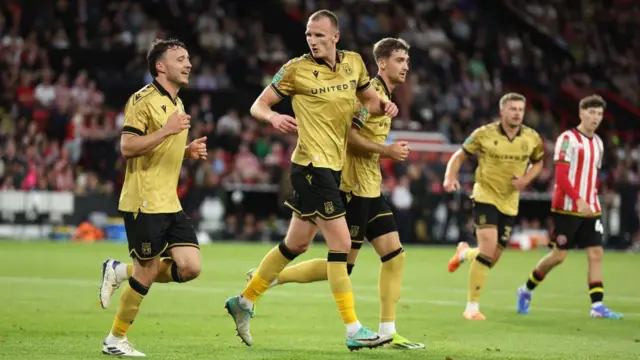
(329, 208)
(328, 89)
(508, 157)
(279, 76)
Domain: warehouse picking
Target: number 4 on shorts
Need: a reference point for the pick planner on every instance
(599, 227)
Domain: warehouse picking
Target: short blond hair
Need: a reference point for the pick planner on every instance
(512, 96)
(324, 13)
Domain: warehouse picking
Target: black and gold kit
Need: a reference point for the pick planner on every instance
(153, 216)
(495, 198)
(324, 101)
(368, 213)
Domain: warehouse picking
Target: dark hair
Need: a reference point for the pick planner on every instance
(385, 47)
(158, 48)
(324, 13)
(593, 101)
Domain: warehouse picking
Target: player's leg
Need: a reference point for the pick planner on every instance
(465, 253)
(357, 209)
(182, 265)
(563, 238)
(145, 234)
(486, 219)
(338, 240)
(591, 232)
(383, 234)
(300, 234)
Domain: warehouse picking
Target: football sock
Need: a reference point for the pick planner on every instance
(387, 328)
(535, 278)
(470, 254)
(389, 283)
(123, 271)
(130, 300)
(477, 276)
(596, 293)
(272, 264)
(305, 272)
(350, 268)
(164, 271)
(341, 288)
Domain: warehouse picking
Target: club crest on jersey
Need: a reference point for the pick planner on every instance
(347, 69)
(328, 208)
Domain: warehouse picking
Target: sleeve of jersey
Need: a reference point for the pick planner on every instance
(562, 150)
(363, 79)
(360, 117)
(471, 144)
(283, 81)
(135, 118)
(538, 151)
(563, 182)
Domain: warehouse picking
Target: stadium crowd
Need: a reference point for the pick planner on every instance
(63, 66)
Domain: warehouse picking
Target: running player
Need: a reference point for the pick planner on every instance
(504, 150)
(368, 214)
(576, 207)
(154, 142)
(325, 87)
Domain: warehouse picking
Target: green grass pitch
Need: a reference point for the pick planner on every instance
(49, 309)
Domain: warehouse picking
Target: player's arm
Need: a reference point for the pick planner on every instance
(368, 97)
(281, 86)
(561, 159)
(537, 163)
(454, 164)
(469, 148)
(135, 142)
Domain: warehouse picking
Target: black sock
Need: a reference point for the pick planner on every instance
(535, 278)
(596, 291)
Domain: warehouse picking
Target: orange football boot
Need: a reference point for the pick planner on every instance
(455, 262)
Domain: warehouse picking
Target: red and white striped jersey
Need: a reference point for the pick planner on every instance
(584, 156)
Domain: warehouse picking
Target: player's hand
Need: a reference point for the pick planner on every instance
(451, 185)
(177, 122)
(390, 108)
(198, 149)
(284, 123)
(519, 183)
(398, 151)
(584, 208)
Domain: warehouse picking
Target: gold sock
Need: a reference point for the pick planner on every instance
(471, 254)
(130, 300)
(341, 286)
(389, 284)
(477, 276)
(164, 271)
(305, 272)
(272, 264)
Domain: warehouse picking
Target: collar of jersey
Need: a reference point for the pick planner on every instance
(583, 134)
(323, 62)
(501, 129)
(163, 91)
(384, 85)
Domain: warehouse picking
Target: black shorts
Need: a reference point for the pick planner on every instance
(487, 215)
(150, 235)
(572, 231)
(368, 218)
(316, 192)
